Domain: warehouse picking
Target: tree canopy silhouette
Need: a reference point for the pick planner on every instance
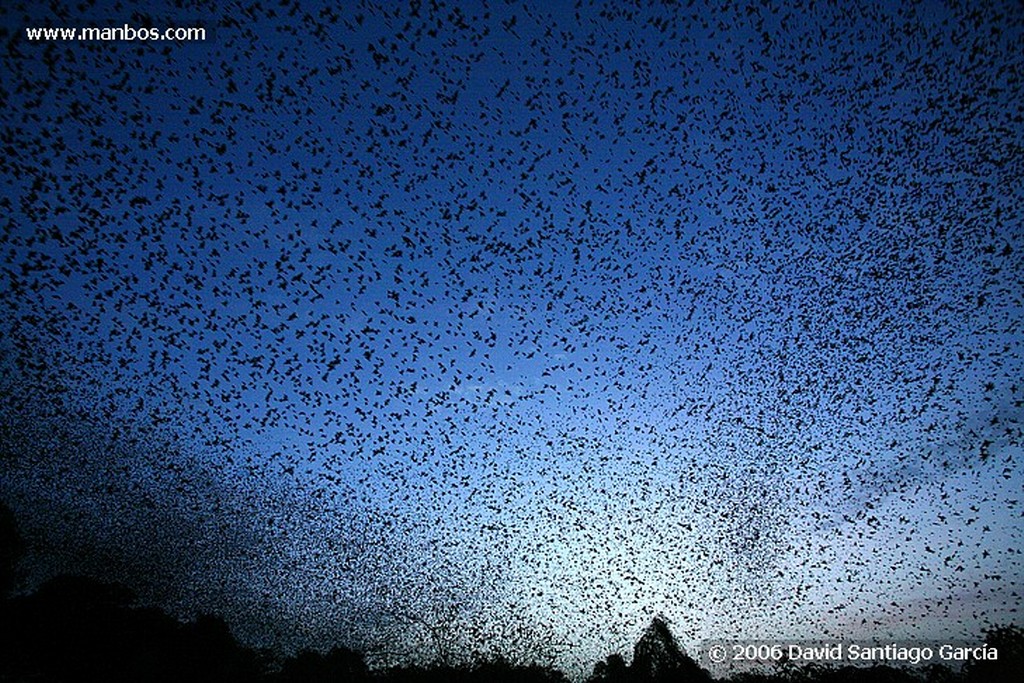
(657, 658)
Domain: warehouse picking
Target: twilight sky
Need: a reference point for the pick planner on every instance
(519, 323)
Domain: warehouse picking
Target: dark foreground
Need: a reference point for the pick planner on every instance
(78, 629)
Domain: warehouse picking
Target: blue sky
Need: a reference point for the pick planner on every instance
(572, 313)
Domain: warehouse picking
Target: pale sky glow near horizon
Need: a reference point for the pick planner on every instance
(534, 320)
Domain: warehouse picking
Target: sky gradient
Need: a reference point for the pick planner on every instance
(526, 322)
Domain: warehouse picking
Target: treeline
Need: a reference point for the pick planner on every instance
(657, 658)
(79, 629)
(74, 628)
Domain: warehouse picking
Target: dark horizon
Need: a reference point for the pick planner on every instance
(78, 628)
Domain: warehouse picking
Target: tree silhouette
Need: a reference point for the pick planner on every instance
(611, 670)
(657, 658)
(339, 664)
(76, 628)
(1008, 641)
